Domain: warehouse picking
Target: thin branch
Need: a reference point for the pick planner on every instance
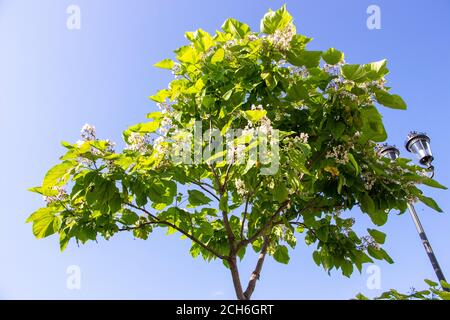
(244, 216)
(207, 190)
(225, 182)
(187, 234)
(216, 177)
(265, 226)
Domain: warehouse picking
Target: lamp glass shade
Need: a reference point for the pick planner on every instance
(422, 149)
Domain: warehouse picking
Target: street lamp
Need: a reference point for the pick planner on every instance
(419, 144)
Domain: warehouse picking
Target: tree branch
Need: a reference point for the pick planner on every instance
(201, 185)
(264, 227)
(236, 279)
(187, 234)
(257, 272)
(244, 217)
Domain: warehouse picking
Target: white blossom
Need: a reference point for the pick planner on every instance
(339, 154)
(240, 187)
(281, 39)
(88, 132)
(137, 142)
(60, 196)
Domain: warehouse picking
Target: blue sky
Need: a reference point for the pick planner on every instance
(53, 80)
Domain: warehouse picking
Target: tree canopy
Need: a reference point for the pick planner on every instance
(189, 168)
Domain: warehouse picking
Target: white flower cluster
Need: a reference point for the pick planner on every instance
(60, 196)
(281, 39)
(110, 146)
(333, 69)
(299, 71)
(345, 94)
(303, 138)
(339, 154)
(159, 146)
(240, 187)
(138, 142)
(230, 43)
(176, 69)
(368, 241)
(164, 107)
(165, 126)
(369, 180)
(252, 37)
(88, 133)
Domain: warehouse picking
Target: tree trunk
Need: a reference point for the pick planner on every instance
(256, 273)
(236, 279)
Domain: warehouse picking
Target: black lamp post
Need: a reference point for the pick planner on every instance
(419, 144)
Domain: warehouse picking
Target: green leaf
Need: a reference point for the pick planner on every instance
(433, 183)
(147, 127)
(323, 233)
(197, 198)
(445, 285)
(45, 222)
(223, 204)
(57, 176)
(431, 283)
(430, 202)
(333, 56)
(347, 268)
(360, 296)
(202, 40)
(187, 54)
(129, 217)
(390, 100)
(218, 56)
(280, 193)
(309, 59)
(373, 128)
(297, 92)
(165, 64)
(236, 28)
(316, 257)
(254, 115)
(160, 96)
(281, 254)
(367, 204)
(378, 236)
(275, 20)
(354, 72)
(376, 70)
(354, 163)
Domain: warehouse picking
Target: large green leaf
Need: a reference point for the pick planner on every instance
(354, 72)
(433, 183)
(376, 70)
(275, 20)
(165, 64)
(57, 176)
(281, 254)
(373, 128)
(254, 115)
(333, 56)
(197, 198)
(236, 28)
(308, 59)
(390, 100)
(430, 202)
(45, 222)
(378, 236)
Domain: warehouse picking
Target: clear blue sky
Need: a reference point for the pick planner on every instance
(53, 80)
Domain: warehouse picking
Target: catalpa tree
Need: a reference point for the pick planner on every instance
(191, 168)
